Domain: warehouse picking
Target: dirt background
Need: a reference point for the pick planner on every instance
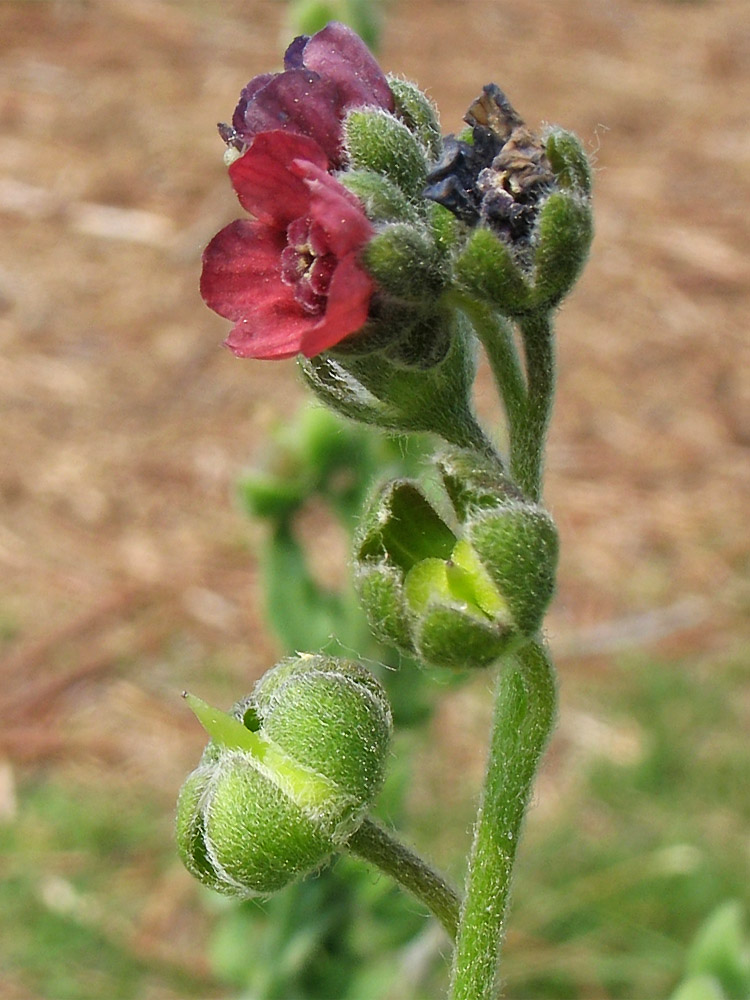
(125, 567)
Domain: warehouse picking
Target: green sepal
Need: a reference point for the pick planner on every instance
(288, 776)
(424, 341)
(568, 161)
(377, 141)
(383, 200)
(518, 545)
(380, 588)
(406, 262)
(449, 636)
(257, 838)
(190, 830)
(377, 390)
(474, 482)
(563, 239)
(488, 270)
(402, 527)
(419, 115)
(446, 229)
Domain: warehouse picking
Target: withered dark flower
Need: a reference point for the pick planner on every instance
(497, 178)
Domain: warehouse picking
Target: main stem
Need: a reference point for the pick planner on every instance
(375, 845)
(525, 711)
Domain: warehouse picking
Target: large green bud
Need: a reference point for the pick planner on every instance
(287, 778)
(462, 595)
(377, 141)
(420, 381)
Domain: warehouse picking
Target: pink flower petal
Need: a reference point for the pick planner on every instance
(297, 101)
(336, 211)
(348, 303)
(338, 54)
(241, 281)
(264, 184)
(241, 269)
(246, 95)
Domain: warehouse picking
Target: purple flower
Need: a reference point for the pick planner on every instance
(324, 77)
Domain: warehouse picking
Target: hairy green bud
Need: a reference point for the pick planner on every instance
(377, 141)
(563, 238)
(421, 382)
(457, 598)
(488, 269)
(569, 161)
(406, 262)
(287, 777)
(383, 200)
(419, 114)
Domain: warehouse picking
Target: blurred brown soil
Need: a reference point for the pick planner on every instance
(124, 566)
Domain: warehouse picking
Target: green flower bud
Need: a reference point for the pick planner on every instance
(377, 141)
(488, 269)
(419, 115)
(383, 200)
(456, 598)
(569, 161)
(406, 262)
(287, 777)
(562, 241)
(422, 588)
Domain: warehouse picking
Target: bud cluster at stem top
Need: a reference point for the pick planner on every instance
(363, 216)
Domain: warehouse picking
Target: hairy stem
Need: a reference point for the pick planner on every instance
(375, 845)
(529, 434)
(464, 431)
(496, 335)
(525, 709)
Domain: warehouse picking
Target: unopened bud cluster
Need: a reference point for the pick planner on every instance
(460, 594)
(287, 777)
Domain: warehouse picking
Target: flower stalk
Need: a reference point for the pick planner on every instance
(374, 844)
(525, 708)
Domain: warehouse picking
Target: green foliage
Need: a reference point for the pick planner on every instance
(719, 957)
(341, 936)
(364, 16)
(76, 864)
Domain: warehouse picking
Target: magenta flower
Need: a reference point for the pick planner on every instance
(289, 278)
(324, 77)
